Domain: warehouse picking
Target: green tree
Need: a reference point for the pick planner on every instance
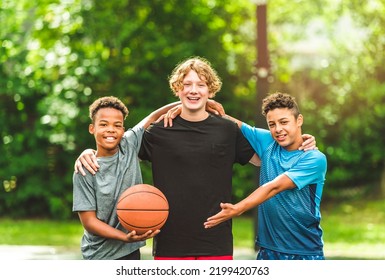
(58, 56)
(330, 56)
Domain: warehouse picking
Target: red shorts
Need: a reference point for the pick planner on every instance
(196, 258)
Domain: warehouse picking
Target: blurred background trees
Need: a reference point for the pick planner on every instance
(56, 57)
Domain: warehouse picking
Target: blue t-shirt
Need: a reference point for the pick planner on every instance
(289, 222)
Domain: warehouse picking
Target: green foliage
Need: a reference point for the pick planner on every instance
(332, 61)
(56, 57)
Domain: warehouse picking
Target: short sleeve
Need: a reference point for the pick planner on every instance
(310, 169)
(84, 195)
(258, 138)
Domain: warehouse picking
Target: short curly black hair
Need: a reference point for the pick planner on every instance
(280, 100)
(107, 102)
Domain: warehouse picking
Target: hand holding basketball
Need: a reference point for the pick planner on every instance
(133, 236)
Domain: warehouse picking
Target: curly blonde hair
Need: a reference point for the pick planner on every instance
(204, 70)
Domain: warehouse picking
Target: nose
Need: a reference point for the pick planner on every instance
(110, 128)
(278, 127)
(193, 88)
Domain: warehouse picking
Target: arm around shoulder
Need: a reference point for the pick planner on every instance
(157, 114)
(238, 122)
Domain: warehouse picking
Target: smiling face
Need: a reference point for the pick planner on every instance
(285, 128)
(194, 81)
(108, 130)
(193, 96)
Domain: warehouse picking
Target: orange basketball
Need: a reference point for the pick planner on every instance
(142, 208)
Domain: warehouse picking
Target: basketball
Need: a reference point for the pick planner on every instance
(142, 208)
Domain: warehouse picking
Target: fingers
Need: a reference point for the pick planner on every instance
(213, 220)
(219, 110)
(309, 149)
(215, 112)
(160, 118)
(79, 167)
(167, 120)
(145, 235)
(211, 223)
(308, 140)
(133, 237)
(76, 167)
(82, 170)
(170, 115)
(90, 163)
(309, 143)
(94, 162)
(215, 107)
(131, 234)
(152, 234)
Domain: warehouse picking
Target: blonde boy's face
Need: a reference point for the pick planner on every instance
(108, 130)
(194, 93)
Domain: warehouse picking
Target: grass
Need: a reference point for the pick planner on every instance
(352, 230)
(40, 232)
(68, 233)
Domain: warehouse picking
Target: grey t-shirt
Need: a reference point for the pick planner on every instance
(101, 191)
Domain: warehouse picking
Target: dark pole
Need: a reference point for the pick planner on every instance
(263, 67)
(262, 73)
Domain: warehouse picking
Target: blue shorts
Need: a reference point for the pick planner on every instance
(266, 254)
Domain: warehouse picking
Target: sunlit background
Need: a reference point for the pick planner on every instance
(56, 57)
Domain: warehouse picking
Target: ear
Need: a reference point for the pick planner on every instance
(299, 120)
(91, 128)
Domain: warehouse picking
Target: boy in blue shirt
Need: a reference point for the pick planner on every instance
(291, 186)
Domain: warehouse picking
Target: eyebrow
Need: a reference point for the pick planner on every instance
(281, 119)
(102, 120)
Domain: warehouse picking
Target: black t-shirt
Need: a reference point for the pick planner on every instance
(192, 164)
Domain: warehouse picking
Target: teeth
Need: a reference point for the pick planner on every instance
(110, 138)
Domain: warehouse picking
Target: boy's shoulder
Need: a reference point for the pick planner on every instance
(314, 158)
(223, 121)
(133, 135)
(316, 153)
(79, 179)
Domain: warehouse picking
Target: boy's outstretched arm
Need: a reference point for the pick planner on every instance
(261, 194)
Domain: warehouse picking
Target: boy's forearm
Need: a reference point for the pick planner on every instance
(259, 196)
(266, 191)
(238, 122)
(95, 226)
(153, 116)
